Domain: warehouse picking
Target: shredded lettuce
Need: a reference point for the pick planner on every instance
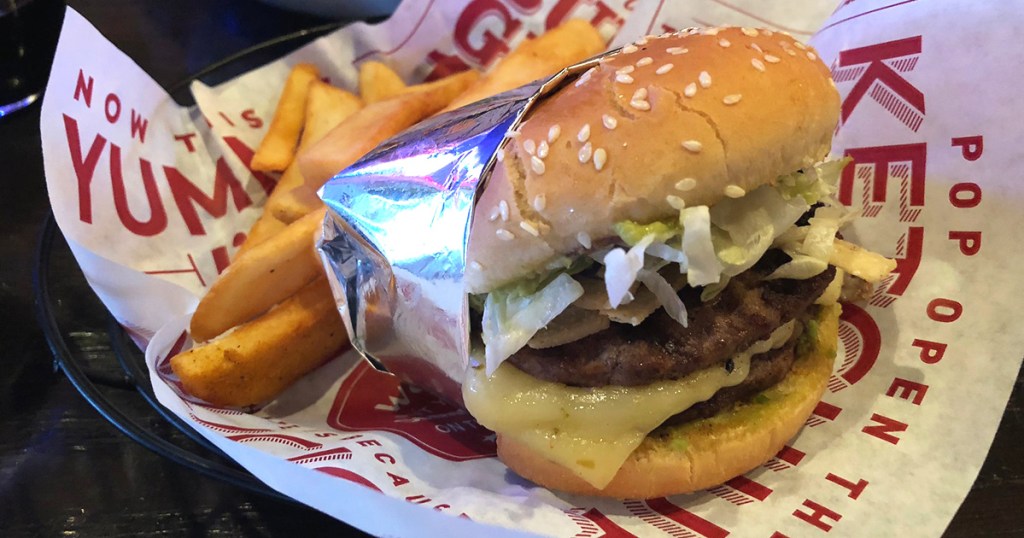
(632, 232)
(511, 316)
(704, 266)
(710, 246)
(621, 268)
(813, 184)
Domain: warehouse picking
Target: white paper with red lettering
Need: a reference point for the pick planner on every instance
(153, 199)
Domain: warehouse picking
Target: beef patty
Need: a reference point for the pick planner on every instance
(747, 310)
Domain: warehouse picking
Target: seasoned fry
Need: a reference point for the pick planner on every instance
(264, 276)
(278, 147)
(375, 123)
(573, 41)
(378, 82)
(259, 359)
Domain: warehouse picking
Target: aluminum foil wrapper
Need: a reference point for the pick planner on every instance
(397, 229)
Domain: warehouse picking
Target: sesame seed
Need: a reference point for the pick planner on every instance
(609, 122)
(735, 191)
(675, 51)
(553, 132)
(500, 156)
(540, 202)
(757, 47)
(724, 42)
(693, 146)
(495, 213)
(542, 149)
(663, 69)
(529, 146)
(767, 32)
(503, 210)
(600, 157)
(710, 31)
(584, 239)
(690, 90)
(676, 202)
(705, 79)
(529, 228)
(642, 41)
(749, 32)
(732, 99)
(811, 56)
(799, 45)
(686, 184)
(537, 164)
(640, 105)
(771, 59)
(758, 64)
(646, 60)
(585, 77)
(504, 234)
(476, 265)
(629, 49)
(625, 70)
(791, 52)
(586, 152)
(640, 94)
(623, 78)
(584, 133)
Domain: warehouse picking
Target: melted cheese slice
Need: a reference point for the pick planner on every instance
(592, 430)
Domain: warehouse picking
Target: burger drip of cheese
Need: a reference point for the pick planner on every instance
(655, 264)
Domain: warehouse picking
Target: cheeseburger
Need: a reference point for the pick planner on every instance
(654, 266)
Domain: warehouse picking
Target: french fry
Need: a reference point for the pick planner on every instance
(264, 276)
(295, 204)
(278, 147)
(326, 107)
(375, 123)
(573, 41)
(378, 82)
(258, 360)
(264, 228)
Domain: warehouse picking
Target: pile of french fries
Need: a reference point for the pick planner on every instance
(270, 317)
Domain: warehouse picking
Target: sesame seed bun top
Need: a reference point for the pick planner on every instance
(695, 116)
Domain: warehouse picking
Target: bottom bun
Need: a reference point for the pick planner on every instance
(704, 453)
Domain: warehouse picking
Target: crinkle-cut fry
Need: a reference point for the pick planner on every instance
(374, 124)
(571, 42)
(260, 359)
(378, 82)
(263, 276)
(277, 149)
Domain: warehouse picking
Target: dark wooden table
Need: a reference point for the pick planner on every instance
(65, 471)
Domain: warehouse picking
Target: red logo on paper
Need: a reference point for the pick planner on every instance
(594, 524)
(877, 71)
(823, 412)
(674, 520)
(861, 342)
(786, 458)
(370, 400)
(741, 490)
(348, 475)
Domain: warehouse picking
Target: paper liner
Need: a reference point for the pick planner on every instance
(924, 371)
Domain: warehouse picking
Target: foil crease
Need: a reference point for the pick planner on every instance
(396, 233)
